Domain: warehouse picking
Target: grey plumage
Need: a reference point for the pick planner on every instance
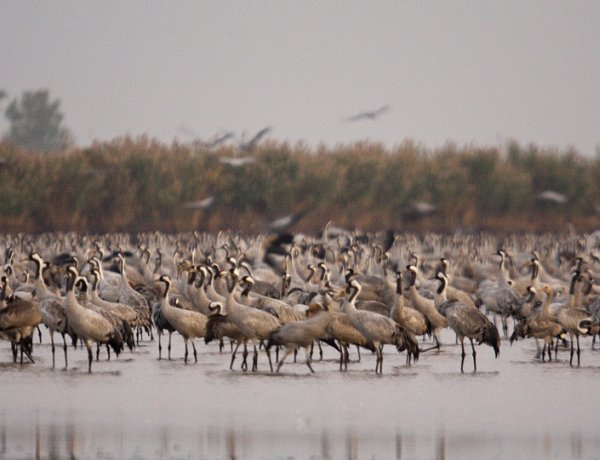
(466, 321)
(219, 326)
(87, 325)
(190, 324)
(426, 306)
(17, 325)
(255, 324)
(378, 329)
(300, 334)
(52, 308)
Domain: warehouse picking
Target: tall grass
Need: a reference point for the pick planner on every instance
(139, 184)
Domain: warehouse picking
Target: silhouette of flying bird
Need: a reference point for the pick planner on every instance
(247, 146)
(369, 115)
(216, 140)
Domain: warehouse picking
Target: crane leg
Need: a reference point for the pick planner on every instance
(379, 361)
(185, 341)
(169, 346)
(537, 347)
(237, 345)
(505, 326)
(436, 339)
(462, 355)
(269, 358)
(65, 349)
(572, 352)
(195, 352)
(474, 356)
(285, 355)
(255, 358)
(53, 350)
(24, 348)
(343, 349)
(578, 351)
(308, 360)
(544, 352)
(347, 356)
(159, 346)
(245, 357)
(90, 357)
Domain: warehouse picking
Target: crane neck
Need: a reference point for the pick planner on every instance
(546, 307)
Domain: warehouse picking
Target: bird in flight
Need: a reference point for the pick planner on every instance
(285, 222)
(213, 142)
(237, 162)
(249, 145)
(369, 114)
(205, 203)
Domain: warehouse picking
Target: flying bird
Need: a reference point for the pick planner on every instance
(218, 140)
(249, 145)
(206, 203)
(215, 141)
(369, 114)
(237, 162)
(553, 197)
(285, 222)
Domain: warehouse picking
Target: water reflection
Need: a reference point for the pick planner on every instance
(351, 446)
(230, 442)
(325, 446)
(56, 440)
(441, 446)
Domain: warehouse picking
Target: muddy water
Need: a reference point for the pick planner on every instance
(139, 407)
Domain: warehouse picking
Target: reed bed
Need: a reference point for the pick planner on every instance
(140, 184)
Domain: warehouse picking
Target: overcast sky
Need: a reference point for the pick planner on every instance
(469, 72)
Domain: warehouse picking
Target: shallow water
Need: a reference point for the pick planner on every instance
(139, 407)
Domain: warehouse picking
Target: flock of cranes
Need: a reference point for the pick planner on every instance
(340, 289)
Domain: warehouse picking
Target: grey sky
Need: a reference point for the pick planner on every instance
(462, 71)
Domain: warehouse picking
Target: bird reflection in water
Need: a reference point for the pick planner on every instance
(231, 445)
(70, 441)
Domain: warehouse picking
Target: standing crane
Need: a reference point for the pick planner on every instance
(52, 308)
(300, 334)
(86, 324)
(377, 328)
(189, 323)
(466, 321)
(18, 321)
(255, 324)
